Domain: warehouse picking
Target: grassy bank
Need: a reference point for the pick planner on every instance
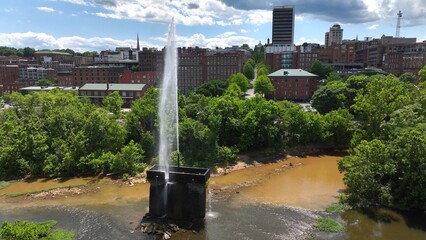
(3, 184)
(44, 190)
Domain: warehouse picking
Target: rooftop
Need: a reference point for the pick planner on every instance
(113, 86)
(291, 73)
(49, 88)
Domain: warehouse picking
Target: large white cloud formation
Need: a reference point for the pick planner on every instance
(80, 44)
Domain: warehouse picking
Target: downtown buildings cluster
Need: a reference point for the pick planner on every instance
(131, 71)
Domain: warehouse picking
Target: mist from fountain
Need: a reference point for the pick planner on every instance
(168, 108)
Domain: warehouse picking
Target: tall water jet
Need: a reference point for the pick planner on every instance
(168, 108)
(176, 193)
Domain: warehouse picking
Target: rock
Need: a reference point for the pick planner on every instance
(167, 235)
(148, 229)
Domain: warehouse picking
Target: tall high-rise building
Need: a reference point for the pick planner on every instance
(334, 36)
(283, 25)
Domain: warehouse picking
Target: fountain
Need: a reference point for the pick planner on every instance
(177, 193)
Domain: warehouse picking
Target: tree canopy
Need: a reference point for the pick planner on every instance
(320, 69)
(248, 70)
(263, 85)
(241, 80)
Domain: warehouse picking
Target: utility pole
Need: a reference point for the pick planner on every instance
(398, 24)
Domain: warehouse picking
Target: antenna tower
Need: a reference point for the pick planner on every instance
(398, 24)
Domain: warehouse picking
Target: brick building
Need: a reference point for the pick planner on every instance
(192, 70)
(9, 76)
(303, 58)
(221, 64)
(51, 56)
(96, 92)
(148, 78)
(151, 60)
(293, 84)
(96, 74)
(28, 76)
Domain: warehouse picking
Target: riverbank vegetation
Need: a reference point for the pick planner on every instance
(33, 231)
(57, 134)
(329, 225)
(380, 118)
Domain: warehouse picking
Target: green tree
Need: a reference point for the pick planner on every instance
(379, 99)
(367, 171)
(197, 143)
(263, 85)
(251, 62)
(213, 88)
(422, 74)
(408, 77)
(28, 52)
(337, 128)
(245, 46)
(33, 231)
(90, 53)
(331, 96)
(333, 76)
(241, 80)
(44, 82)
(143, 116)
(234, 91)
(262, 69)
(223, 117)
(261, 124)
(129, 159)
(320, 69)
(258, 54)
(113, 103)
(248, 70)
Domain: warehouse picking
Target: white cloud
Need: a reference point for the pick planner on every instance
(413, 11)
(302, 40)
(259, 17)
(45, 9)
(373, 27)
(226, 34)
(299, 18)
(186, 12)
(77, 2)
(79, 44)
(223, 40)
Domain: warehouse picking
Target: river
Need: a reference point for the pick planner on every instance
(279, 200)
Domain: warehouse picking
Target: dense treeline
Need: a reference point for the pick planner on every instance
(21, 52)
(58, 134)
(387, 161)
(29, 52)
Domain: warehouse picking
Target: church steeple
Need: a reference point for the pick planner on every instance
(137, 44)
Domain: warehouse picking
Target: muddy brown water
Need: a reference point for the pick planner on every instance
(280, 200)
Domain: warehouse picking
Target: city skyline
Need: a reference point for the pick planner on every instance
(95, 25)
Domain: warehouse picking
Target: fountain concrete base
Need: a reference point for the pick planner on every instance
(181, 197)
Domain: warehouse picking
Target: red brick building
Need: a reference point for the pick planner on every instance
(96, 92)
(148, 78)
(304, 60)
(293, 84)
(51, 56)
(150, 60)
(9, 78)
(96, 74)
(196, 65)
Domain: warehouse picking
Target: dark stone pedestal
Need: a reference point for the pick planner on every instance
(182, 197)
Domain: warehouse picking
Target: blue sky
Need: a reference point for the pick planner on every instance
(94, 25)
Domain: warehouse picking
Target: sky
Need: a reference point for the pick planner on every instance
(95, 25)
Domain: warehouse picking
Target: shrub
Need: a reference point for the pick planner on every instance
(329, 225)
